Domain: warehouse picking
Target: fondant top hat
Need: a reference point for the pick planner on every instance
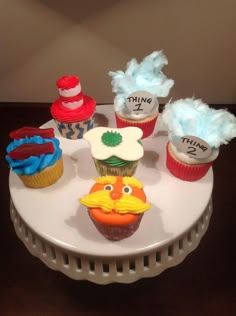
(70, 92)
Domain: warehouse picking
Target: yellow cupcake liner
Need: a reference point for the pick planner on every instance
(44, 178)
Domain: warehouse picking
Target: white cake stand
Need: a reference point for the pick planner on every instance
(57, 229)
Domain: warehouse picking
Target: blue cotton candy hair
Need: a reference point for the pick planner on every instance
(145, 76)
(193, 117)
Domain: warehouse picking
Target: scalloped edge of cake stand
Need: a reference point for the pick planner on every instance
(111, 269)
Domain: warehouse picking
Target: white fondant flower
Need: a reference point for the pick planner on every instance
(120, 142)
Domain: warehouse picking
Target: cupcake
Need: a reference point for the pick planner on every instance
(115, 151)
(137, 90)
(196, 132)
(73, 111)
(116, 206)
(35, 156)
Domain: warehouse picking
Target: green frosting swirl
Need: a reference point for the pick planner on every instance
(114, 161)
(111, 138)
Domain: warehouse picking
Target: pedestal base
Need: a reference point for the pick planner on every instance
(114, 269)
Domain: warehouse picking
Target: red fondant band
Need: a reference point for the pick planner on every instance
(63, 114)
(75, 98)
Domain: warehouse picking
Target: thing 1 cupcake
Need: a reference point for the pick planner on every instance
(115, 151)
(73, 111)
(35, 156)
(137, 90)
(196, 132)
(116, 206)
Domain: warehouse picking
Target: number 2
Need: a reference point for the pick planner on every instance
(191, 150)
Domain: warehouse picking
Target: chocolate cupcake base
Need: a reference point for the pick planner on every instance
(117, 233)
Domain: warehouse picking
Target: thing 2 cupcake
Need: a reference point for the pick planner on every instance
(115, 151)
(35, 156)
(196, 133)
(73, 111)
(116, 206)
(137, 90)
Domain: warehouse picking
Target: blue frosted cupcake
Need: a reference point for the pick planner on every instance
(36, 160)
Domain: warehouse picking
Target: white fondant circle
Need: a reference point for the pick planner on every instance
(140, 102)
(194, 147)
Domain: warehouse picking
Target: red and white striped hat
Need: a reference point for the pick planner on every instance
(70, 92)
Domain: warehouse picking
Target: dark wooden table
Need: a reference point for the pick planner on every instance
(203, 284)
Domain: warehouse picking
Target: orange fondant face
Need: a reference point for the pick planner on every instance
(115, 200)
(119, 188)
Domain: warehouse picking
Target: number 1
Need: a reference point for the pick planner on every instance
(138, 107)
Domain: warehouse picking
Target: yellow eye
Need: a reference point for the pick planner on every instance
(108, 187)
(127, 189)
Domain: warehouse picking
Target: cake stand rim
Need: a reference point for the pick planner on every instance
(129, 276)
(155, 245)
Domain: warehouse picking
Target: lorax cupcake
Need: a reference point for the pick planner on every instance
(137, 91)
(73, 111)
(116, 206)
(196, 133)
(115, 151)
(35, 156)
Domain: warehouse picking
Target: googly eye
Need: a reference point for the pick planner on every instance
(108, 187)
(127, 189)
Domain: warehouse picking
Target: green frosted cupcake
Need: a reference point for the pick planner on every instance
(115, 151)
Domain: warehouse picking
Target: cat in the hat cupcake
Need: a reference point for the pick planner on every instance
(73, 111)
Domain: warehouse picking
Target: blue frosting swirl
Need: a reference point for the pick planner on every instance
(33, 164)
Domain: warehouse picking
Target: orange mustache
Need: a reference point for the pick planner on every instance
(126, 204)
